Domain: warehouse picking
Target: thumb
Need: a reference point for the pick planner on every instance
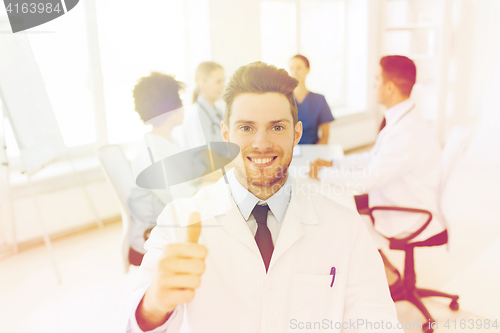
(194, 228)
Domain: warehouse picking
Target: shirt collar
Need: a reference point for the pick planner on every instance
(246, 201)
(393, 114)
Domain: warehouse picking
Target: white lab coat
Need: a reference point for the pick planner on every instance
(402, 169)
(236, 294)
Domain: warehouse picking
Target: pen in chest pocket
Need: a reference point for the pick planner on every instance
(332, 273)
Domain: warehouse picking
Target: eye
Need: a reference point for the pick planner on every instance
(245, 128)
(278, 128)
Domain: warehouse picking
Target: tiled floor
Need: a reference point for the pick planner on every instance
(93, 282)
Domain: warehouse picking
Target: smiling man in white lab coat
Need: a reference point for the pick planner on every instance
(402, 169)
(272, 256)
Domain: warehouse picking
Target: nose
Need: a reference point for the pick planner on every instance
(262, 141)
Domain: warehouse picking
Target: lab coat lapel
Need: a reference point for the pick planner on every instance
(397, 117)
(390, 124)
(300, 211)
(225, 213)
(236, 226)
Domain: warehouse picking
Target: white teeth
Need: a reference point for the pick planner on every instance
(262, 160)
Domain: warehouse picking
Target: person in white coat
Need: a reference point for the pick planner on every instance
(157, 101)
(272, 256)
(402, 169)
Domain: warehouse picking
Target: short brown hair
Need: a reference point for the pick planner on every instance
(260, 78)
(400, 70)
(157, 94)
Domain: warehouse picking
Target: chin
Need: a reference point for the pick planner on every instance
(265, 180)
(266, 177)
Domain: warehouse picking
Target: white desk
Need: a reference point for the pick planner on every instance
(299, 169)
(309, 153)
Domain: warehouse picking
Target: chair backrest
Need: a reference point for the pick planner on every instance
(118, 171)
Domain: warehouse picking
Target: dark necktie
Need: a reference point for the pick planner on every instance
(263, 235)
(382, 125)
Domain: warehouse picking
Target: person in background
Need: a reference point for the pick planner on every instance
(202, 121)
(157, 102)
(402, 169)
(314, 112)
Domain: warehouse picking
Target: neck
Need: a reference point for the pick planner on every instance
(211, 101)
(395, 101)
(262, 192)
(300, 93)
(301, 88)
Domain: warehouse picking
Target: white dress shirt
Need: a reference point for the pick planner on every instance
(402, 169)
(246, 202)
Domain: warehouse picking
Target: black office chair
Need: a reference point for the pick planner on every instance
(410, 292)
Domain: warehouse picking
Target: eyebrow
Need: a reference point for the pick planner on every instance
(280, 121)
(244, 122)
(284, 120)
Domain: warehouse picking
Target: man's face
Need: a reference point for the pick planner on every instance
(380, 87)
(262, 126)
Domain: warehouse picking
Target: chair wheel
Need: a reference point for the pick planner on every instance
(428, 330)
(454, 305)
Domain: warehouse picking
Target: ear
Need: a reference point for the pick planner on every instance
(224, 129)
(390, 87)
(298, 133)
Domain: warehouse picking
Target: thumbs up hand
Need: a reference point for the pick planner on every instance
(179, 274)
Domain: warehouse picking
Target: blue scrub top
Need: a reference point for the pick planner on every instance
(313, 112)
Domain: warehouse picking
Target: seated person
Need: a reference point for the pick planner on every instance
(314, 112)
(158, 103)
(402, 169)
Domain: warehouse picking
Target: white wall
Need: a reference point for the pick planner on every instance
(473, 62)
(235, 32)
(484, 88)
(473, 195)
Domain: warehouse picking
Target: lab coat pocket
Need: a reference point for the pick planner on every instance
(315, 299)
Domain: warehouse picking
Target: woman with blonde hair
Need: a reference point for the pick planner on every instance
(202, 121)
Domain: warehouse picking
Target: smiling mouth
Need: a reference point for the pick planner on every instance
(262, 161)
